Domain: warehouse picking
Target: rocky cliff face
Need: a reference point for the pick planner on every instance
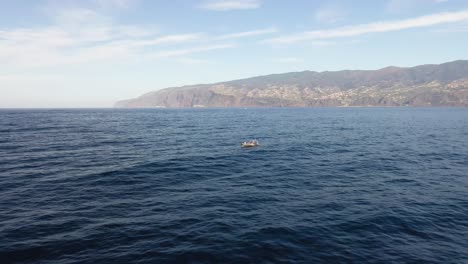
(427, 85)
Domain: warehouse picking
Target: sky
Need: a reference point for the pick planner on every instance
(92, 53)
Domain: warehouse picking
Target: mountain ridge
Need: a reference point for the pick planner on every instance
(443, 84)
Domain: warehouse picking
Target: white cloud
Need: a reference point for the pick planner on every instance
(459, 27)
(398, 6)
(376, 27)
(191, 61)
(55, 46)
(182, 52)
(247, 33)
(26, 78)
(227, 5)
(115, 3)
(330, 14)
(172, 39)
(135, 31)
(323, 43)
(288, 60)
(78, 17)
(79, 35)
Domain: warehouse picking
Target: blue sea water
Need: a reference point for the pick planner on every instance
(327, 185)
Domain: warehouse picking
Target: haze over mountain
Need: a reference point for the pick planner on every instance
(426, 85)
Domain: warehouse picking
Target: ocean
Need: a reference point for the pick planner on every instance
(326, 185)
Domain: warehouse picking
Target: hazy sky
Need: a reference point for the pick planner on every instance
(91, 53)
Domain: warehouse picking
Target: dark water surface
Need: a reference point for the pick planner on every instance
(331, 185)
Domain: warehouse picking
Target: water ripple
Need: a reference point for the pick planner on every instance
(173, 186)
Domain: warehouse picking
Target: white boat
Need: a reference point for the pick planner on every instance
(250, 143)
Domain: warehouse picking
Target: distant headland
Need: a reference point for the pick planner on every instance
(426, 85)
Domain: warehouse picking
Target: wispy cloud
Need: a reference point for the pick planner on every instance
(168, 39)
(459, 27)
(330, 14)
(29, 78)
(398, 6)
(376, 27)
(182, 52)
(115, 3)
(247, 34)
(77, 16)
(80, 35)
(288, 60)
(191, 61)
(323, 43)
(56, 46)
(227, 5)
